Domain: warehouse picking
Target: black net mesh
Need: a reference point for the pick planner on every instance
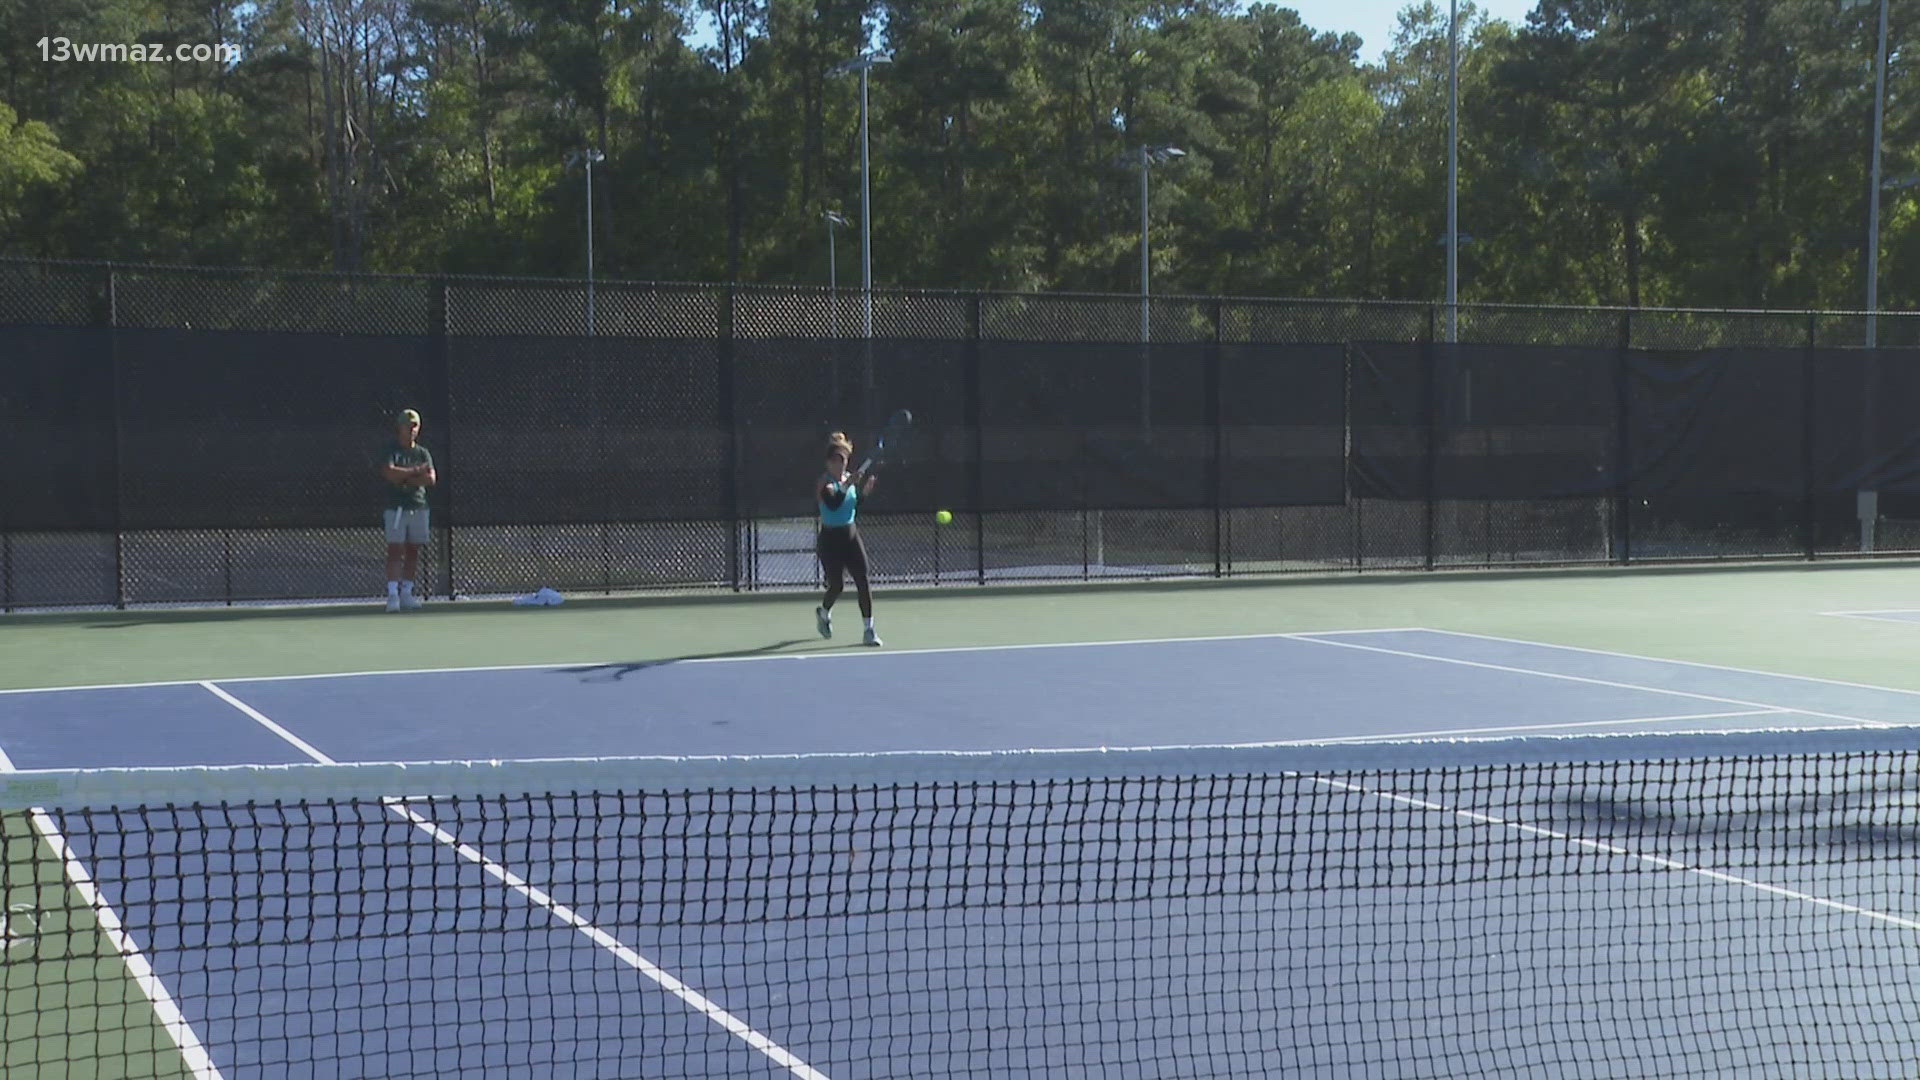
(216, 428)
(576, 430)
(52, 294)
(246, 429)
(1273, 915)
(60, 569)
(1283, 416)
(789, 395)
(1101, 426)
(58, 446)
(209, 300)
(1717, 453)
(1865, 455)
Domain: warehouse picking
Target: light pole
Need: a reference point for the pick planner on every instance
(1453, 171)
(1873, 183)
(832, 218)
(1149, 157)
(1145, 160)
(863, 64)
(587, 157)
(1873, 199)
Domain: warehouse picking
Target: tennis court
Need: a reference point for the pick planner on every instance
(1578, 824)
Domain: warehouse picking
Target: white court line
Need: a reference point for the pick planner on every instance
(699, 1002)
(1766, 705)
(1396, 736)
(850, 652)
(1878, 616)
(264, 721)
(711, 1010)
(1683, 663)
(1595, 845)
(192, 1051)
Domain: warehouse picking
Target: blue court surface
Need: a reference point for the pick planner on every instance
(569, 938)
(1300, 687)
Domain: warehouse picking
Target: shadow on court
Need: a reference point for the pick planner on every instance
(616, 672)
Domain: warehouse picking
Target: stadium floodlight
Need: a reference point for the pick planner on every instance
(587, 157)
(863, 64)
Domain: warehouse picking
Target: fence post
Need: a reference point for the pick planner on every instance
(1430, 468)
(1623, 444)
(440, 391)
(977, 482)
(1809, 385)
(737, 529)
(110, 320)
(1217, 482)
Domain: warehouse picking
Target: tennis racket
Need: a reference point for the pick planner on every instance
(888, 444)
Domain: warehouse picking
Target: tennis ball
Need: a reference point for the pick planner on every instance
(944, 517)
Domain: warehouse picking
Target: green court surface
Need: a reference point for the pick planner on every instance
(1771, 618)
(64, 978)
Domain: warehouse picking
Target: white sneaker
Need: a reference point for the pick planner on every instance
(393, 602)
(823, 622)
(873, 638)
(411, 602)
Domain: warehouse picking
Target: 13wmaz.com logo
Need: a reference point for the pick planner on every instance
(59, 50)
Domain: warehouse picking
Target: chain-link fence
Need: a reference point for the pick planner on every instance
(193, 436)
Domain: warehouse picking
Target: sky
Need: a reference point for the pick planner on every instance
(1373, 20)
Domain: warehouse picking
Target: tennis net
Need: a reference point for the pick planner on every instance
(1647, 906)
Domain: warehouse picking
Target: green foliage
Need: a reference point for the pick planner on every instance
(1678, 152)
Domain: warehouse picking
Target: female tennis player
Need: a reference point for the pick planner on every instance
(840, 548)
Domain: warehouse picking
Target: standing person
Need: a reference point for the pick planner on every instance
(407, 468)
(840, 548)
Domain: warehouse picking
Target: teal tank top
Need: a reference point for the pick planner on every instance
(842, 514)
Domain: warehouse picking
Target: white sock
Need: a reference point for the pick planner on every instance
(393, 588)
(406, 588)
(869, 622)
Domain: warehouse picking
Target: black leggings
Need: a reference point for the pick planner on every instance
(842, 552)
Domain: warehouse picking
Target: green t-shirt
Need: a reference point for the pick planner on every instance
(405, 496)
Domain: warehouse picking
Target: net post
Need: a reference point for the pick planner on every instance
(1622, 530)
(1809, 385)
(1430, 467)
(977, 482)
(730, 428)
(1216, 485)
(440, 368)
(109, 319)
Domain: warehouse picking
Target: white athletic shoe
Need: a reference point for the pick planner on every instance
(411, 602)
(393, 602)
(873, 637)
(823, 620)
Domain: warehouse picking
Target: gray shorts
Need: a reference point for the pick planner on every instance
(406, 525)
